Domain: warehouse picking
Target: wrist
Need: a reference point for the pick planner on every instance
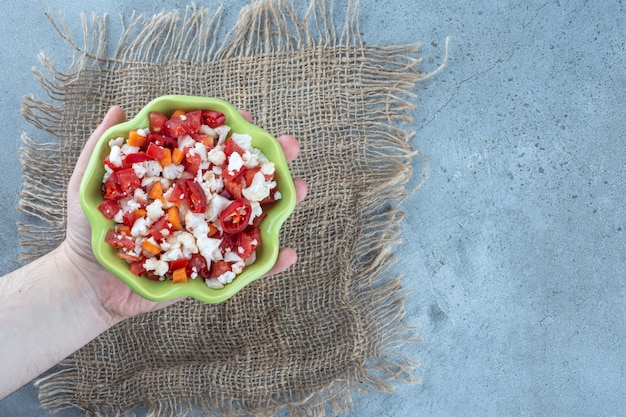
(80, 271)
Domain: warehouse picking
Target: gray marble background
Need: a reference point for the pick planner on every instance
(514, 249)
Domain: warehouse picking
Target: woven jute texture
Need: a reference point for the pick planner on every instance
(306, 339)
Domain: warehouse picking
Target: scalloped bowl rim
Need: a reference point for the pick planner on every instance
(267, 253)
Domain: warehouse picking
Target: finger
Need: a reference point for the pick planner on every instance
(301, 189)
(286, 258)
(290, 145)
(246, 115)
(114, 116)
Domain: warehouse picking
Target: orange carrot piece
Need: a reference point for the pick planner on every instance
(139, 213)
(167, 157)
(150, 247)
(123, 229)
(179, 276)
(173, 216)
(177, 156)
(212, 230)
(156, 191)
(135, 139)
(177, 113)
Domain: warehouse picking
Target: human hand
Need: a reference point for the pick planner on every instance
(106, 292)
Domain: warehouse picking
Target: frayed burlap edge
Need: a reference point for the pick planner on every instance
(382, 297)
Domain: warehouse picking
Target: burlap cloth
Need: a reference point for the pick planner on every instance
(305, 339)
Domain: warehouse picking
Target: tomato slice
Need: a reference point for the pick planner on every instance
(234, 218)
(157, 120)
(213, 118)
(109, 208)
(183, 124)
(195, 196)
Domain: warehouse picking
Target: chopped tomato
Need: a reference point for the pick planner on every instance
(192, 163)
(207, 140)
(183, 125)
(247, 242)
(231, 146)
(179, 263)
(177, 194)
(195, 196)
(213, 118)
(234, 187)
(162, 140)
(119, 240)
(109, 208)
(137, 268)
(160, 229)
(197, 264)
(218, 268)
(128, 257)
(156, 121)
(136, 157)
(155, 151)
(111, 189)
(128, 180)
(234, 218)
(129, 218)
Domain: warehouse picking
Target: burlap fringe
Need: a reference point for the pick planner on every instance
(262, 27)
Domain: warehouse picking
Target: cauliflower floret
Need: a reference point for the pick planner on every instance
(173, 171)
(222, 132)
(140, 227)
(107, 173)
(216, 156)
(208, 130)
(147, 169)
(243, 140)
(127, 149)
(154, 210)
(158, 266)
(172, 255)
(115, 156)
(211, 183)
(238, 267)
(213, 283)
(186, 141)
(216, 206)
(227, 277)
(234, 163)
(256, 211)
(268, 168)
(259, 189)
(209, 248)
(119, 141)
(196, 224)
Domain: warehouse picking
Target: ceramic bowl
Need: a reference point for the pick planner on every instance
(277, 213)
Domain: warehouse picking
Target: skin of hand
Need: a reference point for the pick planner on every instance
(59, 302)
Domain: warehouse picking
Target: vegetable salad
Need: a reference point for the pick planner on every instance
(187, 197)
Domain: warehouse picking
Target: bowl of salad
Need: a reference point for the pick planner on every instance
(187, 199)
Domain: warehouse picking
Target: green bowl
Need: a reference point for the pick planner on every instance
(267, 252)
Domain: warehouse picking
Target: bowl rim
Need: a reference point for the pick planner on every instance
(277, 214)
